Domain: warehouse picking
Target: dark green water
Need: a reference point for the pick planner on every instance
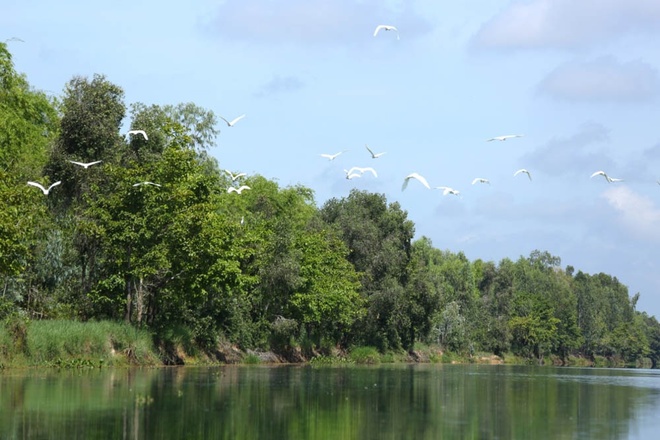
(398, 402)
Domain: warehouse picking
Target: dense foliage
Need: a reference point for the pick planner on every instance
(263, 269)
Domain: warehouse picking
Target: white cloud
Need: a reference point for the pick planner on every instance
(312, 21)
(602, 79)
(572, 155)
(638, 214)
(567, 24)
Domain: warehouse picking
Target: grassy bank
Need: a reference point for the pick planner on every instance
(61, 343)
(73, 344)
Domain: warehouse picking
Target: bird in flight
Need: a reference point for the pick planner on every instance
(350, 176)
(447, 190)
(233, 121)
(238, 190)
(147, 183)
(44, 190)
(386, 27)
(523, 171)
(505, 137)
(85, 165)
(608, 178)
(234, 177)
(142, 132)
(480, 180)
(361, 171)
(373, 155)
(332, 156)
(415, 176)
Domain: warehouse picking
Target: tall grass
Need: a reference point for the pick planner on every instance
(76, 344)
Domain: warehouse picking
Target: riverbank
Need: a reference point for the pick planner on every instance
(72, 344)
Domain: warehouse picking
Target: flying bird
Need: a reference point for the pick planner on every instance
(416, 176)
(234, 177)
(232, 122)
(505, 137)
(147, 183)
(480, 180)
(350, 176)
(44, 190)
(85, 165)
(373, 155)
(386, 27)
(238, 190)
(447, 190)
(608, 178)
(361, 171)
(523, 171)
(142, 132)
(332, 156)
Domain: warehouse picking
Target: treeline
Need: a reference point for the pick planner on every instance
(263, 269)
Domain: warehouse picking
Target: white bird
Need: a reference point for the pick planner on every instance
(234, 177)
(373, 155)
(233, 121)
(416, 176)
(44, 190)
(142, 132)
(480, 180)
(447, 190)
(238, 190)
(350, 176)
(608, 178)
(332, 156)
(505, 137)
(362, 171)
(523, 171)
(147, 183)
(386, 27)
(85, 165)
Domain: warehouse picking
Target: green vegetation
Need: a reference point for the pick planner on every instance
(189, 268)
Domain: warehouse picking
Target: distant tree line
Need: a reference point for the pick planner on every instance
(263, 269)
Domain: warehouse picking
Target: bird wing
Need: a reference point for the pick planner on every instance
(378, 28)
(600, 173)
(38, 186)
(369, 150)
(77, 163)
(421, 179)
(476, 181)
(370, 169)
(231, 189)
(94, 163)
(236, 120)
(54, 184)
(242, 188)
(519, 171)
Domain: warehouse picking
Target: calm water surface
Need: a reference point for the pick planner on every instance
(293, 402)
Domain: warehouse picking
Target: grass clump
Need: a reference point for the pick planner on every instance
(251, 359)
(365, 355)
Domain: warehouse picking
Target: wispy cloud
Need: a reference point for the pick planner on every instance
(638, 214)
(566, 24)
(279, 84)
(312, 21)
(573, 154)
(602, 79)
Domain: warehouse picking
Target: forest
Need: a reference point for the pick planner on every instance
(265, 269)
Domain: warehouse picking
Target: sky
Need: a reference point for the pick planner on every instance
(577, 78)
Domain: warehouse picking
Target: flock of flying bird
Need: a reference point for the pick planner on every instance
(352, 173)
(355, 172)
(230, 189)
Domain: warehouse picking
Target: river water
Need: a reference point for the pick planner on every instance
(302, 402)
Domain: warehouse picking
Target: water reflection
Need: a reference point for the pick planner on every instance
(404, 401)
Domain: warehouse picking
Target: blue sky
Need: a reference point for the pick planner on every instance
(578, 78)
